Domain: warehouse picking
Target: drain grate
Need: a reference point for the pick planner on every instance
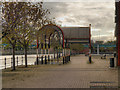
(103, 87)
(102, 84)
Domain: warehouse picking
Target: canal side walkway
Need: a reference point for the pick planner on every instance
(76, 74)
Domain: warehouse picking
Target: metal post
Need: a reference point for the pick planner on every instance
(37, 60)
(57, 56)
(17, 61)
(11, 62)
(51, 60)
(111, 62)
(41, 59)
(89, 58)
(5, 63)
(54, 53)
(22, 60)
(65, 55)
(63, 59)
(37, 52)
(49, 52)
(54, 56)
(59, 52)
(45, 50)
(90, 43)
(98, 49)
(62, 53)
(42, 53)
(45, 59)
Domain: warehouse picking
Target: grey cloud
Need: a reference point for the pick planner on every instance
(70, 20)
(100, 15)
(56, 9)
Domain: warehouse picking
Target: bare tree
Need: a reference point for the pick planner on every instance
(9, 23)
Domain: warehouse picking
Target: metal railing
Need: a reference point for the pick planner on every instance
(32, 60)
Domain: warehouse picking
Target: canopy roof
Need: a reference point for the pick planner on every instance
(76, 32)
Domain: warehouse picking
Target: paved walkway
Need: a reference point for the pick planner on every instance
(77, 74)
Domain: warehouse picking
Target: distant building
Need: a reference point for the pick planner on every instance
(117, 29)
(77, 34)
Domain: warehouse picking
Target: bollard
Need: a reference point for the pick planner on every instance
(69, 57)
(114, 55)
(41, 59)
(5, 63)
(90, 59)
(45, 59)
(111, 62)
(17, 61)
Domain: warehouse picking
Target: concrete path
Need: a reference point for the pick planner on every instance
(77, 74)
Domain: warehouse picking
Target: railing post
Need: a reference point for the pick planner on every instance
(45, 59)
(42, 59)
(42, 53)
(17, 61)
(59, 53)
(49, 59)
(11, 62)
(63, 54)
(63, 59)
(49, 52)
(57, 56)
(5, 63)
(37, 60)
(66, 59)
(22, 60)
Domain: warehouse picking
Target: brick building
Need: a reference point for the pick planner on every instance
(117, 30)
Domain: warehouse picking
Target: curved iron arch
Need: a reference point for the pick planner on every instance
(56, 28)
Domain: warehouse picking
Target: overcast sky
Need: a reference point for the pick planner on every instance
(99, 14)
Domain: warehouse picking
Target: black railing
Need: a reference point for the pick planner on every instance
(31, 60)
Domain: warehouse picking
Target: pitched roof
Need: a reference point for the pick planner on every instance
(75, 32)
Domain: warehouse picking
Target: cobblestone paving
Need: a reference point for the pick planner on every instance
(77, 74)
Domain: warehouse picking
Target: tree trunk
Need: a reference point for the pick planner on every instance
(25, 52)
(13, 67)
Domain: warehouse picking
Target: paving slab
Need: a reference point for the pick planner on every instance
(78, 73)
